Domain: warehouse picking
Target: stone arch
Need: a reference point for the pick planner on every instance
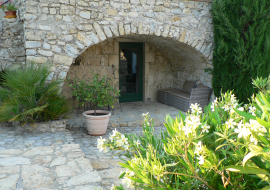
(185, 61)
(129, 31)
(59, 31)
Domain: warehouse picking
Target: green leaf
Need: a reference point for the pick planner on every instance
(252, 154)
(182, 115)
(245, 170)
(122, 175)
(263, 123)
(266, 188)
(173, 164)
(214, 121)
(245, 114)
(265, 100)
(221, 146)
(217, 117)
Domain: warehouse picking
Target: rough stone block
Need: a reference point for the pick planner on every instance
(18, 51)
(31, 52)
(108, 31)
(9, 182)
(37, 59)
(32, 44)
(85, 14)
(99, 31)
(81, 36)
(45, 53)
(111, 12)
(62, 59)
(71, 51)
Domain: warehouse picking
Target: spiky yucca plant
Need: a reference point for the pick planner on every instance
(27, 96)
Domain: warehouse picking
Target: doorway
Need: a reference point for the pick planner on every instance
(130, 71)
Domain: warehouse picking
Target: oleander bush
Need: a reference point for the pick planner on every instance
(227, 147)
(27, 96)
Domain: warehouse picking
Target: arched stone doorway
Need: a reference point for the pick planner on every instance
(167, 63)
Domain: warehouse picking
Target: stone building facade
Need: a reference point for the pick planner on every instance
(78, 36)
(12, 47)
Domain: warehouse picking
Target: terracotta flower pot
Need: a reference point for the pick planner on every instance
(10, 14)
(96, 125)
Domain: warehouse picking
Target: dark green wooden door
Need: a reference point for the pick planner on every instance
(131, 71)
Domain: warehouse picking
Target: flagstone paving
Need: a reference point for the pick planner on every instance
(70, 159)
(47, 167)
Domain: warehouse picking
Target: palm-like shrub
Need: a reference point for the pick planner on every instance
(27, 96)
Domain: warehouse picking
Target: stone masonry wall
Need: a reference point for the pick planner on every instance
(60, 30)
(12, 50)
(11, 42)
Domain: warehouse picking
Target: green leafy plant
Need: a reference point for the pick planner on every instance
(99, 91)
(227, 147)
(10, 6)
(79, 89)
(27, 96)
(242, 48)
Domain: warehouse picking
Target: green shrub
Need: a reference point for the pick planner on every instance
(99, 91)
(26, 95)
(227, 147)
(242, 45)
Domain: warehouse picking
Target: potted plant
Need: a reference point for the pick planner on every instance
(99, 93)
(10, 9)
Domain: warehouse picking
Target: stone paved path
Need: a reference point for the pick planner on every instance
(50, 167)
(61, 160)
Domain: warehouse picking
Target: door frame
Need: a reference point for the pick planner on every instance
(135, 96)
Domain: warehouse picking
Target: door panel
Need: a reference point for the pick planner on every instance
(130, 71)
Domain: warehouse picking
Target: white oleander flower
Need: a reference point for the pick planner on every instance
(230, 123)
(242, 130)
(205, 128)
(124, 139)
(126, 147)
(114, 133)
(131, 173)
(187, 130)
(113, 187)
(199, 148)
(137, 143)
(195, 108)
(253, 139)
(128, 182)
(101, 140)
(119, 143)
(201, 159)
(233, 98)
(213, 107)
(105, 150)
(226, 107)
(252, 110)
(214, 104)
(101, 148)
(241, 109)
(255, 126)
(145, 114)
(193, 121)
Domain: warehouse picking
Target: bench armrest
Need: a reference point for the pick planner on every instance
(200, 95)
